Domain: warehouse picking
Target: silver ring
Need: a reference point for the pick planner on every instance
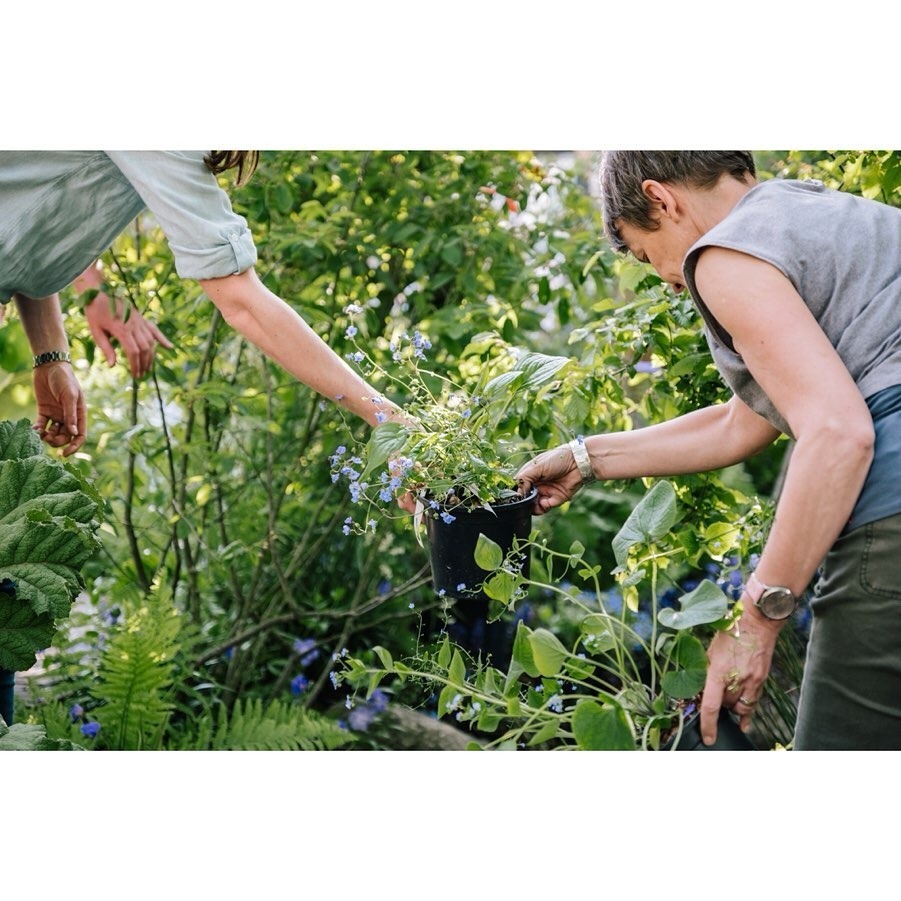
(742, 699)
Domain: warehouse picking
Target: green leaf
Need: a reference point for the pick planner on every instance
(489, 555)
(444, 653)
(44, 560)
(500, 587)
(456, 672)
(655, 515)
(706, 604)
(488, 721)
(385, 656)
(522, 650)
(18, 440)
(385, 441)
(504, 383)
(690, 657)
(547, 652)
(545, 733)
(602, 728)
(22, 633)
(26, 737)
(539, 368)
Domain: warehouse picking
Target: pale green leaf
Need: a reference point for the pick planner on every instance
(602, 728)
(489, 555)
(655, 515)
(706, 604)
(547, 652)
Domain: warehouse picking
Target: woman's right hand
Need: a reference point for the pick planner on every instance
(61, 411)
(555, 476)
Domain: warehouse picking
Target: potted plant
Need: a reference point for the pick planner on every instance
(47, 533)
(619, 670)
(451, 454)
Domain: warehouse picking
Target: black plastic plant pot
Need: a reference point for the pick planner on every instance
(452, 545)
(729, 736)
(7, 687)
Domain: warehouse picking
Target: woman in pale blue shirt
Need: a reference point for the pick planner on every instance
(60, 210)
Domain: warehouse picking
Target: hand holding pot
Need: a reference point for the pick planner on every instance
(555, 477)
(738, 664)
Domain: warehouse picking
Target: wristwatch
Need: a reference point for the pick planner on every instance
(773, 601)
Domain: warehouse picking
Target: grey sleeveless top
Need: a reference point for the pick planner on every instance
(842, 253)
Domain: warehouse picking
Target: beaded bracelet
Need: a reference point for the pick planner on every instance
(52, 356)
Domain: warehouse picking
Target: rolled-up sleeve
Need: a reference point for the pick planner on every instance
(207, 238)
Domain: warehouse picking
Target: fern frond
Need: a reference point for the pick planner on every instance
(279, 726)
(136, 673)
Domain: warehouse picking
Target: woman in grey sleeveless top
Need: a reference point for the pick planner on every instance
(799, 287)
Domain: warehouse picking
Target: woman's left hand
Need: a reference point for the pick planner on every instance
(61, 412)
(738, 664)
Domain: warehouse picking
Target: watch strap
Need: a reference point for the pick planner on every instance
(52, 356)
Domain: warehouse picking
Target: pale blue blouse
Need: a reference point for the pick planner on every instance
(60, 210)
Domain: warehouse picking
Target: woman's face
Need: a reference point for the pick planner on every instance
(664, 248)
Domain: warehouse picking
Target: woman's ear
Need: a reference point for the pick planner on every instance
(661, 197)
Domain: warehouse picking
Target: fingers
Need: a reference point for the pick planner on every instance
(711, 701)
(159, 336)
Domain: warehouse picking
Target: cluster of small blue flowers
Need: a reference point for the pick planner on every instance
(89, 728)
(309, 653)
(419, 344)
(361, 717)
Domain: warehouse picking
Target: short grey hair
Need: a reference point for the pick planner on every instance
(624, 171)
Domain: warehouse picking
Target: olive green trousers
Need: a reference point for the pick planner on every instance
(851, 691)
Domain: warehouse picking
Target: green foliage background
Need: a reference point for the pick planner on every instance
(223, 543)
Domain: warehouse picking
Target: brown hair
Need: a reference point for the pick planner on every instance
(623, 172)
(245, 161)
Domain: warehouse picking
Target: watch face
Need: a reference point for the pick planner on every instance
(777, 603)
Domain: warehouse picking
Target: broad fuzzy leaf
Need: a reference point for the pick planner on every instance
(18, 440)
(24, 737)
(46, 536)
(22, 633)
(38, 483)
(44, 560)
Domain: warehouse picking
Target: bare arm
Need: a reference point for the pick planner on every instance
(61, 413)
(795, 364)
(710, 438)
(277, 330)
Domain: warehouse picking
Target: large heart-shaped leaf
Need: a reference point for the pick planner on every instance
(655, 515)
(706, 604)
(602, 728)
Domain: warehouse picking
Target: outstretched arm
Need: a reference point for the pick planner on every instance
(61, 414)
(710, 438)
(276, 329)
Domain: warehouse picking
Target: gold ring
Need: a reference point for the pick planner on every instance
(746, 702)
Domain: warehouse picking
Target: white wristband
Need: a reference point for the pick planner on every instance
(583, 463)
